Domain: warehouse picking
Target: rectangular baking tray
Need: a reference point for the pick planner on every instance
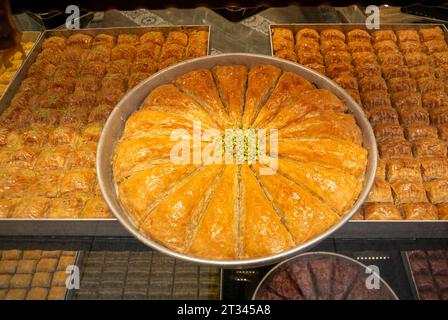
(71, 227)
(368, 228)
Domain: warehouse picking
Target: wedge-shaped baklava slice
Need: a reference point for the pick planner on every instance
(31, 208)
(372, 83)
(168, 98)
(68, 206)
(332, 34)
(435, 99)
(403, 170)
(430, 148)
(401, 84)
(261, 81)
(139, 191)
(309, 103)
(395, 71)
(344, 155)
(329, 125)
(47, 183)
(336, 188)
(282, 39)
(96, 208)
(216, 236)
(437, 191)
(172, 221)
(380, 192)
(413, 115)
(200, 86)
(231, 82)
(288, 86)
(406, 100)
(384, 131)
(382, 35)
(430, 84)
(434, 168)
(382, 211)
(419, 211)
(304, 214)
(395, 148)
(408, 192)
(78, 180)
(261, 229)
(358, 35)
(419, 131)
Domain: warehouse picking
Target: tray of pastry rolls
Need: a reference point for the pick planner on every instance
(52, 115)
(399, 75)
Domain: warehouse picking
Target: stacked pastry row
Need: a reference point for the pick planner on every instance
(50, 131)
(401, 78)
(225, 209)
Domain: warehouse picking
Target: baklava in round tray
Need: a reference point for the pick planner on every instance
(323, 276)
(235, 159)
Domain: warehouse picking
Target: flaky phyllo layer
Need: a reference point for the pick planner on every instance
(238, 163)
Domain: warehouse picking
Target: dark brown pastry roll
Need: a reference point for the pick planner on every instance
(338, 69)
(435, 99)
(423, 71)
(381, 35)
(372, 83)
(395, 71)
(360, 58)
(416, 59)
(407, 35)
(386, 46)
(395, 148)
(443, 131)
(429, 34)
(383, 115)
(429, 148)
(368, 69)
(385, 131)
(375, 99)
(410, 47)
(358, 35)
(347, 81)
(402, 84)
(406, 99)
(282, 39)
(418, 131)
(430, 84)
(412, 115)
(439, 116)
(434, 168)
(332, 34)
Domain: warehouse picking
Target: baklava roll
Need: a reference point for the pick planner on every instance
(386, 46)
(382, 211)
(420, 211)
(282, 39)
(54, 42)
(104, 39)
(430, 84)
(437, 191)
(427, 147)
(79, 39)
(395, 71)
(406, 99)
(126, 38)
(413, 115)
(409, 47)
(382, 35)
(155, 37)
(429, 34)
(358, 35)
(419, 131)
(332, 34)
(407, 35)
(307, 33)
(395, 148)
(434, 99)
(372, 83)
(408, 192)
(402, 84)
(381, 115)
(286, 54)
(384, 131)
(407, 169)
(434, 46)
(434, 168)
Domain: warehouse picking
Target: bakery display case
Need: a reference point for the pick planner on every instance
(52, 211)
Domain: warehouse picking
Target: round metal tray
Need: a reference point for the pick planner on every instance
(114, 127)
(317, 254)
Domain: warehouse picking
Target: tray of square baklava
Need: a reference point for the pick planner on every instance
(399, 75)
(52, 115)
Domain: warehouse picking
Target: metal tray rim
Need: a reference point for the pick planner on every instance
(114, 126)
